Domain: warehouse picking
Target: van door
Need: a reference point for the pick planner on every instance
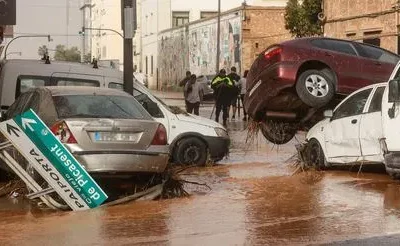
(371, 130)
(391, 129)
(153, 108)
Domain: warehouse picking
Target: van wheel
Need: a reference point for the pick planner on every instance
(315, 156)
(191, 151)
(278, 132)
(315, 87)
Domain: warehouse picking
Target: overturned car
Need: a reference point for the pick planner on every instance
(290, 84)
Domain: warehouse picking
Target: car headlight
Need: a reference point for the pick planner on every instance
(221, 132)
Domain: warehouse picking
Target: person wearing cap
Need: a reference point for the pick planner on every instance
(223, 90)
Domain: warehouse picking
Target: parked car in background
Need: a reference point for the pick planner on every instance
(361, 129)
(106, 130)
(290, 81)
(205, 83)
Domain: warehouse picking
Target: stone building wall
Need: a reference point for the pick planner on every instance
(362, 20)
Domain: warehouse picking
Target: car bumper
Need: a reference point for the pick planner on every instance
(218, 147)
(124, 161)
(266, 85)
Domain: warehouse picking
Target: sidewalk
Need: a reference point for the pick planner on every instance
(168, 95)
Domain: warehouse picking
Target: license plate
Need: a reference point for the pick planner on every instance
(116, 137)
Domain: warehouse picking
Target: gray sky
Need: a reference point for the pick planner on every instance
(46, 17)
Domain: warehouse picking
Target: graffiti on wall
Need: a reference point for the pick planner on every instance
(197, 45)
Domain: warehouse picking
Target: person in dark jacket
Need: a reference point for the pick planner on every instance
(235, 78)
(222, 86)
(183, 83)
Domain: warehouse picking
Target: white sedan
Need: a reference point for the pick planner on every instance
(353, 132)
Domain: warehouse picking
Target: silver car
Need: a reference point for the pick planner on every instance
(205, 83)
(107, 130)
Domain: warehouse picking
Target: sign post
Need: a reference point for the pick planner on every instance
(49, 157)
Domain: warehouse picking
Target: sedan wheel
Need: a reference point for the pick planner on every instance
(191, 151)
(315, 155)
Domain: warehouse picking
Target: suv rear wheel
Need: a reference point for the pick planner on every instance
(278, 132)
(315, 87)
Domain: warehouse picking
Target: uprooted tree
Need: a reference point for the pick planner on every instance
(301, 18)
(64, 54)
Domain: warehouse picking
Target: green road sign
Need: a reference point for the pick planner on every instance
(61, 158)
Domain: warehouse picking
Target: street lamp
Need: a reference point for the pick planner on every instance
(25, 36)
(218, 36)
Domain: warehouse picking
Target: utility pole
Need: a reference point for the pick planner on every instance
(218, 37)
(87, 5)
(129, 26)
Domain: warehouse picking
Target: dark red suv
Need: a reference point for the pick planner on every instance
(289, 81)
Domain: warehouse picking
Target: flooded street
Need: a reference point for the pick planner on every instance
(254, 200)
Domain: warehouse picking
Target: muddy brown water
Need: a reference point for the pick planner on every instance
(254, 201)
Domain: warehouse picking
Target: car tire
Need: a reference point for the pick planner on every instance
(315, 156)
(191, 151)
(316, 87)
(278, 132)
(393, 175)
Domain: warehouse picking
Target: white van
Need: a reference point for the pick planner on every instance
(363, 128)
(192, 139)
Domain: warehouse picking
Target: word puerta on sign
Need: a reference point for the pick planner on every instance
(53, 161)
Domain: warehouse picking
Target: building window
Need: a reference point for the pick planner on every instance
(373, 39)
(151, 65)
(180, 18)
(147, 65)
(208, 14)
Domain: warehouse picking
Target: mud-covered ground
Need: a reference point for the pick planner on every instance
(254, 200)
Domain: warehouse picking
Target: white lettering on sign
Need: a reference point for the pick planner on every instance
(42, 165)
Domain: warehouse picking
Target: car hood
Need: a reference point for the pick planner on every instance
(198, 120)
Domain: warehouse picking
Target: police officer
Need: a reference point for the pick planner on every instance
(223, 90)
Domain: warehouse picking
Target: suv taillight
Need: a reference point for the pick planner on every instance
(160, 138)
(62, 132)
(271, 52)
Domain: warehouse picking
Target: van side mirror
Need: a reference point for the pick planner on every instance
(328, 114)
(394, 91)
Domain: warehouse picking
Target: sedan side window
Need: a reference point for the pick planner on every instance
(353, 105)
(376, 102)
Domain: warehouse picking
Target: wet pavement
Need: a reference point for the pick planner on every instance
(255, 199)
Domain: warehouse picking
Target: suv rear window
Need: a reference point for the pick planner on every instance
(99, 106)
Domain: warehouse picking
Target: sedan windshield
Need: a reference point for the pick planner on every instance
(99, 106)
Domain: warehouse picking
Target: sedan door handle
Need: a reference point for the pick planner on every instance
(378, 63)
(354, 121)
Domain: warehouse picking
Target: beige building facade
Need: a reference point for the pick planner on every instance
(370, 21)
